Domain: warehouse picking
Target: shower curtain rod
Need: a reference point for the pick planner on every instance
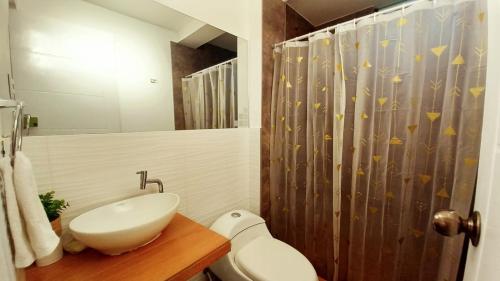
(205, 69)
(402, 7)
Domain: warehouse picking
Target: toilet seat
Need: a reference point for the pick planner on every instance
(268, 259)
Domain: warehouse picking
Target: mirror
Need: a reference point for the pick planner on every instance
(100, 66)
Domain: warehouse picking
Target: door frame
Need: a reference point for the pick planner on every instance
(489, 147)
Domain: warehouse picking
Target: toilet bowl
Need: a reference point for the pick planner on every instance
(255, 255)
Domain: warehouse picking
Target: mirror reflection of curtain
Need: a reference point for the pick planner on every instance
(210, 98)
(374, 129)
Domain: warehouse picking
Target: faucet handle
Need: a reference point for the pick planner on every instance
(144, 176)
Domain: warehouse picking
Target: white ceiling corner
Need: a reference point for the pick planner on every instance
(148, 11)
(226, 41)
(190, 32)
(199, 36)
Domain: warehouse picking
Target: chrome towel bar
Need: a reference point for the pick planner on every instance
(17, 136)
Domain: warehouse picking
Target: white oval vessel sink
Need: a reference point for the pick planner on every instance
(125, 225)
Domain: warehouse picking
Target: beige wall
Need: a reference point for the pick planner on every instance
(208, 169)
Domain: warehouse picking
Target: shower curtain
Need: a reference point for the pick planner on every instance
(210, 98)
(374, 129)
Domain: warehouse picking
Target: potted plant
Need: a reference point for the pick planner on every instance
(53, 209)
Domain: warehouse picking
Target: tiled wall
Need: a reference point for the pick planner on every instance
(254, 179)
(213, 171)
(93, 63)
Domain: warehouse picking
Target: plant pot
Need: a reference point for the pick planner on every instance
(56, 226)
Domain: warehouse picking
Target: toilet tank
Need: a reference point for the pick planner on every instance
(241, 227)
(232, 223)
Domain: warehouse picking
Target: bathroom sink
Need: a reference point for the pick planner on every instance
(125, 225)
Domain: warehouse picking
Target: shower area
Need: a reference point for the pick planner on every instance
(371, 135)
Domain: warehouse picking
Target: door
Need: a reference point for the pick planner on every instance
(483, 260)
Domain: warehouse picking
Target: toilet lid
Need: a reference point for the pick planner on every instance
(268, 259)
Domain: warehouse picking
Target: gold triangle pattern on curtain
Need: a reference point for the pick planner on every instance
(374, 129)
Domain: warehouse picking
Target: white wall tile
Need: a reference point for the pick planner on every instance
(254, 179)
(221, 184)
(209, 169)
(39, 156)
(82, 113)
(74, 54)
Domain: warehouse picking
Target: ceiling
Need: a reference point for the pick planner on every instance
(226, 41)
(147, 10)
(319, 12)
(190, 32)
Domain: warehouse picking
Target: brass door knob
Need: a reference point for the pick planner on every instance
(450, 223)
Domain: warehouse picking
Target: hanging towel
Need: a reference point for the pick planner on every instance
(41, 236)
(23, 253)
(8, 272)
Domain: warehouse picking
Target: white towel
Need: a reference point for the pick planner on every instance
(23, 254)
(42, 238)
(7, 268)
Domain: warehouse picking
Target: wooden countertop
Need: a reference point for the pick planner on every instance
(183, 249)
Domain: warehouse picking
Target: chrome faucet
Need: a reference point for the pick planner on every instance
(144, 181)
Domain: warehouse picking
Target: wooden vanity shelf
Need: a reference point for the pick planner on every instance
(183, 249)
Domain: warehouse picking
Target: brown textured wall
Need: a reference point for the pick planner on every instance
(185, 61)
(273, 31)
(354, 15)
(296, 25)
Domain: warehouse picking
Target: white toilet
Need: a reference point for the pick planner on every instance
(255, 255)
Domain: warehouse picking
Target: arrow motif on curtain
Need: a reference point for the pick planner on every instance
(450, 132)
(458, 60)
(424, 178)
(382, 101)
(433, 115)
(476, 91)
(438, 51)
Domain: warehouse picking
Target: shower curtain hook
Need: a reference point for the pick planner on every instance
(374, 17)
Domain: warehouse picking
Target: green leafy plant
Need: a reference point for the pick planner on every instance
(53, 207)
